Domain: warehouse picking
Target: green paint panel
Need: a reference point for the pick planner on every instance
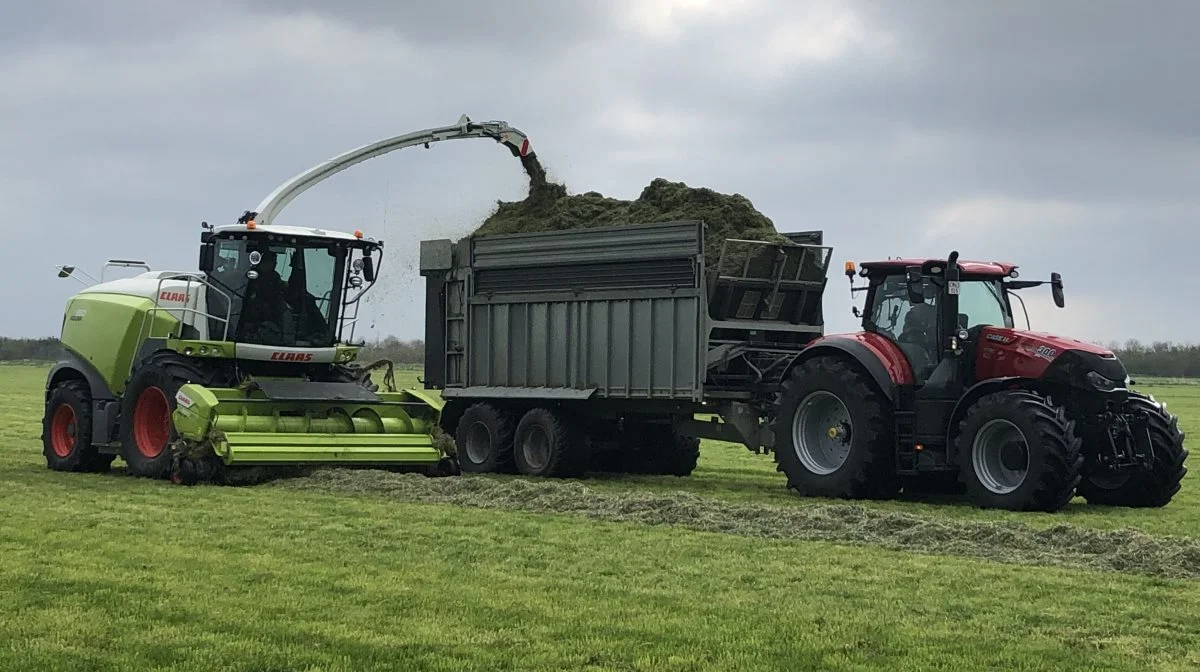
(254, 430)
(107, 330)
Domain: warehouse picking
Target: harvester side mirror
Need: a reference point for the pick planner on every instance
(206, 258)
(65, 271)
(368, 268)
(1056, 289)
(915, 295)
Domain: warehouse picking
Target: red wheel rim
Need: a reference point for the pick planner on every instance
(62, 430)
(151, 422)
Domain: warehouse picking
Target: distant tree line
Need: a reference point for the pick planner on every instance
(28, 349)
(1161, 358)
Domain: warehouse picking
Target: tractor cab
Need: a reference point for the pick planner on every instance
(935, 310)
(947, 326)
(284, 286)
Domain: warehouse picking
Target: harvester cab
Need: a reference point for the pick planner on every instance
(249, 361)
(941, 390)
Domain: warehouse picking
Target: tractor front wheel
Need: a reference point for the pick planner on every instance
(1018, 451)
(67, 430)
(1153, 488)
(833, 435)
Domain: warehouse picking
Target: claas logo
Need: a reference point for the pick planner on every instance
(291, 356)
(179, 297)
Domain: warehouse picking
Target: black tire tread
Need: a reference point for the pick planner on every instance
(502, 428)
(1156, 488)
(1055, 430)
(875, 477)
(569, 455)
(659, 450)
(86, 458)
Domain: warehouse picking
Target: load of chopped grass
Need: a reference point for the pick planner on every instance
(1063, 545)
(549, 207)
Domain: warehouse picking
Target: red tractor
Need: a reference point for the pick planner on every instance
(940, 389)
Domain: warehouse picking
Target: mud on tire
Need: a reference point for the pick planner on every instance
(998, 473)
(868, 468)
(67, 430)
(1156, 487)
(483, 440)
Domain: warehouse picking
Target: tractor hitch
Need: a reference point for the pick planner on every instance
(1129, 445)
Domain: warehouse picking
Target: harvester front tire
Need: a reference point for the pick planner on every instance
(1154, 488)
(483, 440)
(549, 445)
(67, 430)
(147, 430)
(867, 470)
(1018, 451)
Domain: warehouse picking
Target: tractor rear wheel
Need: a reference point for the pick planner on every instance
(483, 440)
(549, 444)
(1153, 488)
(833, 433)
(1019, 451)
(67, 430)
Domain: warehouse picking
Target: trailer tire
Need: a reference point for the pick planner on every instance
(1018, 451)
(1152, 489)
(659, 450)
(867, 468)
(548, 444)
(483, 440)
(67, 430)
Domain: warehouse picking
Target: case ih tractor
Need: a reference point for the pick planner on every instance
(940, 389)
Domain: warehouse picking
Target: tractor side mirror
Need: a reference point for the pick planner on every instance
(368, 268)
(1056, 289)
(206, 258)
(915, 295)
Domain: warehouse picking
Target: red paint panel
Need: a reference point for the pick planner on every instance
(887, 352)
(1010, 352)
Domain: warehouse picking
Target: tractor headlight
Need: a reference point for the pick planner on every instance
(1102, 383)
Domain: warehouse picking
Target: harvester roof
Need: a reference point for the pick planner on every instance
(302, 231)
(998, 269)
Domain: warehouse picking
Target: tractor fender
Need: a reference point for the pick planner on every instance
(968, 399)
(881, 364)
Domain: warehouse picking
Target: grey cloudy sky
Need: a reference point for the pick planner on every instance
(1062, 136)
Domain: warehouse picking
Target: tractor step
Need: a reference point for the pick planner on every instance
(906, 453)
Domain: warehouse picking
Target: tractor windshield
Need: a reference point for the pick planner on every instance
(982, 302)
(284, 292)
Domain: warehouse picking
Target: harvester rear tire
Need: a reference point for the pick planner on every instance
(868, 468)
(548, 444)
(1050, 460)
(1156, 487)
(147, 430)
(67, 430)
(483, 440)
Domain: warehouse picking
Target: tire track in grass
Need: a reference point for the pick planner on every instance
(1062, 545)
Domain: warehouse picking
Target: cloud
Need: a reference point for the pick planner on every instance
(1059, 136)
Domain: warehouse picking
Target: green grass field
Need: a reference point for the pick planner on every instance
(352, 573)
